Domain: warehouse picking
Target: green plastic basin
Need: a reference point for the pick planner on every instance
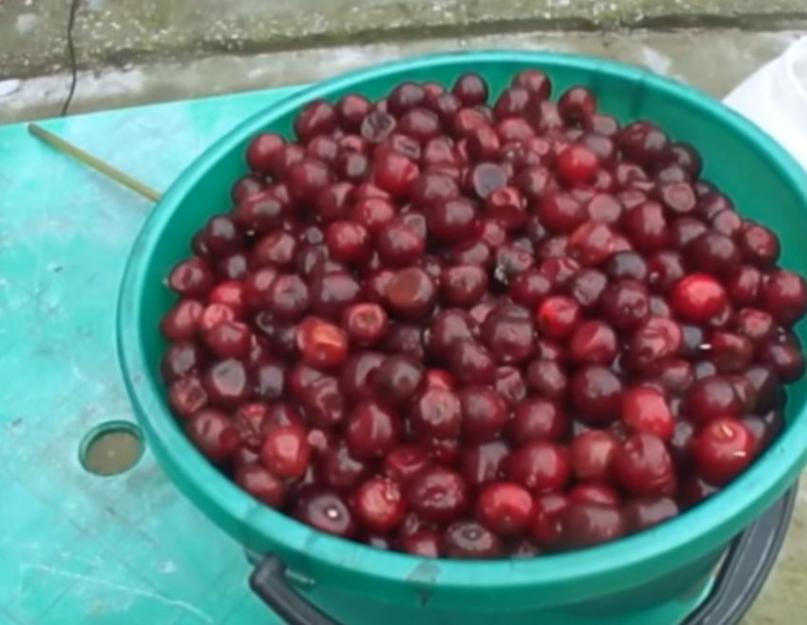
(650, 578)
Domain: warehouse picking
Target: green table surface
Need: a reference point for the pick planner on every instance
(74, 547)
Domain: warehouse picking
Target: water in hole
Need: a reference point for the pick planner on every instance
(112, 452)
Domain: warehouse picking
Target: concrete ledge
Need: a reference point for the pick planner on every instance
(107, 33)
(732, 54)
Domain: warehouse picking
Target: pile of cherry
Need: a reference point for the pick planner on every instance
(465, 329)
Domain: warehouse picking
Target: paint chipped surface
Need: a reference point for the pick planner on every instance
(78, 548)
(426, 572)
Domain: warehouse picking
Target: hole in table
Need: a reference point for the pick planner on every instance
(111, 448)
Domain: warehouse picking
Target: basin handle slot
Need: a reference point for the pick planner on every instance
(745, 569)
(269, 582)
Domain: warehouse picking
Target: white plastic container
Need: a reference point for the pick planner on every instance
(775, 98)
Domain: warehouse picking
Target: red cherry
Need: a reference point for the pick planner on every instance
(645, 409)
(261, 149)
(227, 383)
(482, 463)
(371, 432)
(467, 539)
(577, 104)
(437, 494)
(404, 462)
(592, 243)
(322, 344)
(505, 508)
(229, 339)
(534, 81)
(213, 434)
(712, 397)
(379, 505)
(187, 396)
(722, 449)
(643, 466)
(593, 492)
(317, 117)
(233, 267)
(396, 379)
(191, 278)
(596, 393)
(351, 109)
(655, 339)
(587, 524)
(347, 241)
(411, 292)
(593, 342)
(646, 227)
(536, 418)
(592, 455)
(625, 304)
(181, 359)
(261, 484)
(698, 297)
(323, 402)
(463, 285)
(546, 528)
(541, 466)
(337, 468)
(547, 377)
(758, 245)
(484, 412)
(754, 324)
(577, 165)
(365, 324)
(306, 179)
(286, 451)
(509, 334)
(424, 543)
(181, 321)
(324, 510)
(784, 295)
(437, 413)
(560, 212)
(557, 316)
(395, 173)
(507, 206)
(645, 512)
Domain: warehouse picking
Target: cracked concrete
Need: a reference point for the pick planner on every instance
(732, 54)
(114, 33)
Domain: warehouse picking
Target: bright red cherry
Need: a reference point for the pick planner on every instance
(286, 451)
(698, 297)
(505, 508)
(322, 344)
(645, 409)
(722, 449)
(577, 165)
(379, 505)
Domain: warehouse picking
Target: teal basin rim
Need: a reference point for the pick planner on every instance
(715, 520)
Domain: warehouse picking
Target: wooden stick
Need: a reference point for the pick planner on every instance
(88, 159)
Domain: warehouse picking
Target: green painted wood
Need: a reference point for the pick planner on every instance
(76, 548)
(129, 549)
